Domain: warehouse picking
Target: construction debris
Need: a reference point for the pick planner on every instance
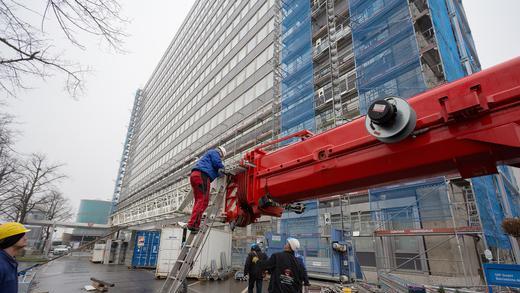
(100, 285)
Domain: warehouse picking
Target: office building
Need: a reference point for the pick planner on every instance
(240, 73)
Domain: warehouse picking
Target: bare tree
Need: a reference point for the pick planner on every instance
(36, 178)
(8, 161)
(56, 208)
(27, 51)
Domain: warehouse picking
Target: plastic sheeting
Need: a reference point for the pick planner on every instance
(490, 210)
(467, 38)
(297, 101)
(385, 51)
(410, 205)
(446, 41)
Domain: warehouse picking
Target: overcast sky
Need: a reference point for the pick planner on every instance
(87, 134)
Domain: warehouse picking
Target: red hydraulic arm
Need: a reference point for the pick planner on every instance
(467, 127)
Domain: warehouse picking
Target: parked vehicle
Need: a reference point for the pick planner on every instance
(60, 249)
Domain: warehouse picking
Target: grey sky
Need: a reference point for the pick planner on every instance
(87, 134)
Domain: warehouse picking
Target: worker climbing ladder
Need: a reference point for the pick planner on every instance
(190, 250)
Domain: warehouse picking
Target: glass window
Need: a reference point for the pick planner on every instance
(233, 63)
(241, 102)
(250, 69)
(251, 45)
(262, 33)
(241, 77)
(262, 58)
(234, 42)
(225, 70)
(243, 32)
(242, 53)
(227, 49)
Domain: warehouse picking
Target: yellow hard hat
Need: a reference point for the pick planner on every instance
(11, 228)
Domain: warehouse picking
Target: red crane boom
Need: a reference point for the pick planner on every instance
(467, 127)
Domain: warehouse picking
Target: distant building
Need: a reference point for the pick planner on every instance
(91, 212)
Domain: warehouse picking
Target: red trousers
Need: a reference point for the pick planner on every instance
(200, 184)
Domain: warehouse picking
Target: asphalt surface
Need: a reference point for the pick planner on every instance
(73, 273)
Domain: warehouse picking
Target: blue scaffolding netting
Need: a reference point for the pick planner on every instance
(446, 41)
(385, 51)
(490, 211)
(305, 227)
(410, 205)
(467, 38)
(297, 101)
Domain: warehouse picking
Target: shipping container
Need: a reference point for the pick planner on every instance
(146, 249)
(216, 248)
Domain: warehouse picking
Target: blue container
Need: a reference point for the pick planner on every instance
(146, 249)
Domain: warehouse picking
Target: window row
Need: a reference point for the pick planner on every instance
(185, 66)
(246, 98)
(183, 93)
(148, 141)
(258, 62)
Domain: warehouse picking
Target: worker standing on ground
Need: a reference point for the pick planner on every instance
(286, 271)
(300, 259)
(253, 269)
(208, 168)
(12, 241)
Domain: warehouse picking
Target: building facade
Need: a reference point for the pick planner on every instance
(213, 86)
(92, 211)
(240, 73)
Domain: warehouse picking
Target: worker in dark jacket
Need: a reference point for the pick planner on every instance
(300, 259)
(208, 168)
(286, 271)
(253, 269)
(12, 241)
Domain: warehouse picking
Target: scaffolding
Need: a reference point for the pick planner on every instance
(385, 51)
(335, 97)
(126, 149)
(297, 92)
(425, 232)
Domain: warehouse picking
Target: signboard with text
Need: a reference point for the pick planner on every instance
(502, 275)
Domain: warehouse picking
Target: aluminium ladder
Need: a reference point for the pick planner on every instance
(190, 250)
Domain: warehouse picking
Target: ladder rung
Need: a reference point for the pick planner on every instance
(179, 272)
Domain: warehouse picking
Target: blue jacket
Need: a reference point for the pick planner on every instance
(8, 273)
(210, 163)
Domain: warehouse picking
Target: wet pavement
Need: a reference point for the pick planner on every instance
(72, 273)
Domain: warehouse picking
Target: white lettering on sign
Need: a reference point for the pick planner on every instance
(277, 238)
(379, 108)
(506, 277)
(317, 264)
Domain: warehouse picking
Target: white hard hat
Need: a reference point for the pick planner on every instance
(222, 150)
(293, 243)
